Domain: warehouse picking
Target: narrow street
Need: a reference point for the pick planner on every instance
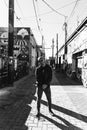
(69, 103)
(34, 33)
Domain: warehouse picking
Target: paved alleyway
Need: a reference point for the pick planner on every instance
(14, 101)
(68, 116)
(69, 103)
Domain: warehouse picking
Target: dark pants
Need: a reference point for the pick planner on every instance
(47, 92)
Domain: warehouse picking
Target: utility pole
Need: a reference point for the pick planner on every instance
(10, 41)
(57, 47)
(52, 48)
(65, 24)
(43, 46)
(42, 43)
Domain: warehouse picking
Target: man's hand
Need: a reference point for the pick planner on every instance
(44, 86)
(36, 84)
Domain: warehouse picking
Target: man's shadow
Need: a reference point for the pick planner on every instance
(67, 112)
(67, 126)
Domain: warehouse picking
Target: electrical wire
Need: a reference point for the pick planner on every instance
(5, 3)
(73, 10)
(83, 11)
(50, 11)
(19, 8)
(36, 17)
(18, 18)
(59, 8)
(39, 19)
(53, 9)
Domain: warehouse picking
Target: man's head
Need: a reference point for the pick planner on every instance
(41, 61)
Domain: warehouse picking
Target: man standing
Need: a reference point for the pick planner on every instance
(43, 79)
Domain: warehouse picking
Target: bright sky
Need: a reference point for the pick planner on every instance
(50, 22)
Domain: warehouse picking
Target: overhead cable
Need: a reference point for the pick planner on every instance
(18, 18)
(19, 8)
(5, 3)
(53, 9)
(59, 8)
(73, 10)
(36, 17)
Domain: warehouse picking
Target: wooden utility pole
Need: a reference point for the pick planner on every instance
(65, 24)
(43, 46)
(52, 48)
(10, 41)
(57, 47)
(11, 28)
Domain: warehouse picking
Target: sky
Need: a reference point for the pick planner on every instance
(49, 21)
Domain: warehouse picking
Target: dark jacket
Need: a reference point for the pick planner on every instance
(44, 74)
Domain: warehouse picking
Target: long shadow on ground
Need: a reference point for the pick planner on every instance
(66, 125)
(66, 111)
(14, 116)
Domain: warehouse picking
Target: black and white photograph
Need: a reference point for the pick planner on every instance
(43, 64)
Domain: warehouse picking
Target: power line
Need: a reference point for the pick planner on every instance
(83, 11)
(36, 17)
(67, 5)
(19, 8)
(53, 9)
(18, 18)
(50, 11)
(59, 8)
(5, 3)
(73, 10)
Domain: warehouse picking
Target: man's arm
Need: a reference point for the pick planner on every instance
(36, 76)
(49, 75)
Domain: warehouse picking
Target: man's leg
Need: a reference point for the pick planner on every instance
(39, 95)
(48, 95)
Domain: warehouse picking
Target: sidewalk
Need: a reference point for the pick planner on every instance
(9, 95)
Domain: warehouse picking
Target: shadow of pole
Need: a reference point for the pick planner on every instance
(66, 111)
(67, 126)
(16, 114)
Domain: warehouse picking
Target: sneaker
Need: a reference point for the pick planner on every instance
(51, 113)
